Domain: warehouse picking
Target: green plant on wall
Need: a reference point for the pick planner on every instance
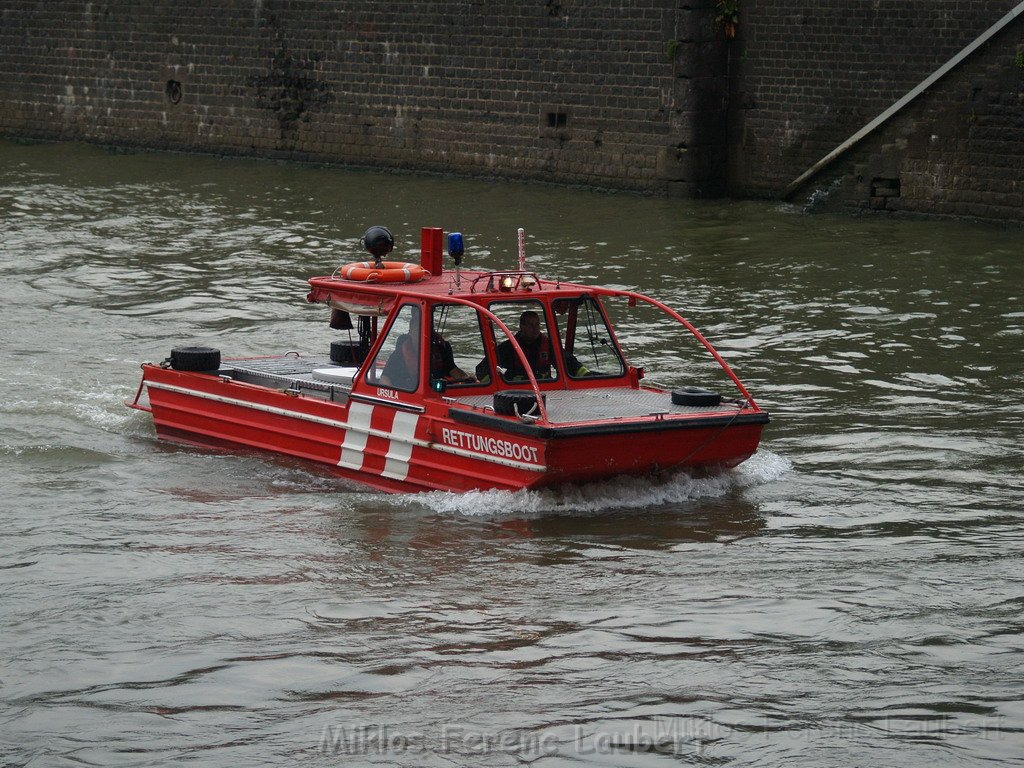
(1019, 59)
(729, 16)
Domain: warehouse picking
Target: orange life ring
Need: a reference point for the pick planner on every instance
(390, 272)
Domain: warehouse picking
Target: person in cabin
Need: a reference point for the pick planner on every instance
(538, 350)
(442, 360)
(402, 370)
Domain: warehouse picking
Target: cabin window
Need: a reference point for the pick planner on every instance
(590, 349)
(456, 344)
(397, 362)
(527, 320)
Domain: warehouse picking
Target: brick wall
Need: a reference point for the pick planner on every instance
(807, 74)
(578, 91)
(646, 94)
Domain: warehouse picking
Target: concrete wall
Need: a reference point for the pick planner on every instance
(574, 91)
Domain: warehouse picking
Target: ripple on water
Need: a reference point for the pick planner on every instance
(848, 596)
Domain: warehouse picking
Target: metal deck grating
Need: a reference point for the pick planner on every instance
(284, 372)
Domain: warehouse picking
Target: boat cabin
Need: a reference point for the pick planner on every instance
(462, 332)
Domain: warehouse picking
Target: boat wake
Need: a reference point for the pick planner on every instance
(623, 493)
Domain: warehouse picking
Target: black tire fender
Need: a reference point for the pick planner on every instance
(512, 402)
(696, 397)
(346, 353)
(200, 359)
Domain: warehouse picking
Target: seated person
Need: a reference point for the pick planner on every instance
(538, 350)
(442, 360)
(402, 368)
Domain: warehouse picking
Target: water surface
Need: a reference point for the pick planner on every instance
(849, 596)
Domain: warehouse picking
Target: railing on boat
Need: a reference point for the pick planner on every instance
(631, 296)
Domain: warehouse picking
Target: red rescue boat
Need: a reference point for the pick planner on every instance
(456, 380)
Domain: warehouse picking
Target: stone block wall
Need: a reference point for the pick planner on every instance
(647, 94)
(807, 74)
(575, 91)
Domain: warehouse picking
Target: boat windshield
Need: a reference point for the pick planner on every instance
(397, 362)
(529, 322)
(456, 344)
(589, 346)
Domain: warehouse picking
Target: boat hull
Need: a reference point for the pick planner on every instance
(400, 448)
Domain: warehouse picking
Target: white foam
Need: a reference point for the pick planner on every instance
(618, 494)
(761, 468)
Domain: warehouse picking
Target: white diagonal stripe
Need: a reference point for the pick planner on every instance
(396, 462)
(352, 450)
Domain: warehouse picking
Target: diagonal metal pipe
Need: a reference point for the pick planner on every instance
(920, 88)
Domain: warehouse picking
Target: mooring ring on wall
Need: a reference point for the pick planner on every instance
(173, 91)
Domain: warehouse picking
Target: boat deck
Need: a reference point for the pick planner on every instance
(295, 373)
(563, 406)
(573, 406)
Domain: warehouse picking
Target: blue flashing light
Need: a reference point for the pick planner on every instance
(455, 245)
